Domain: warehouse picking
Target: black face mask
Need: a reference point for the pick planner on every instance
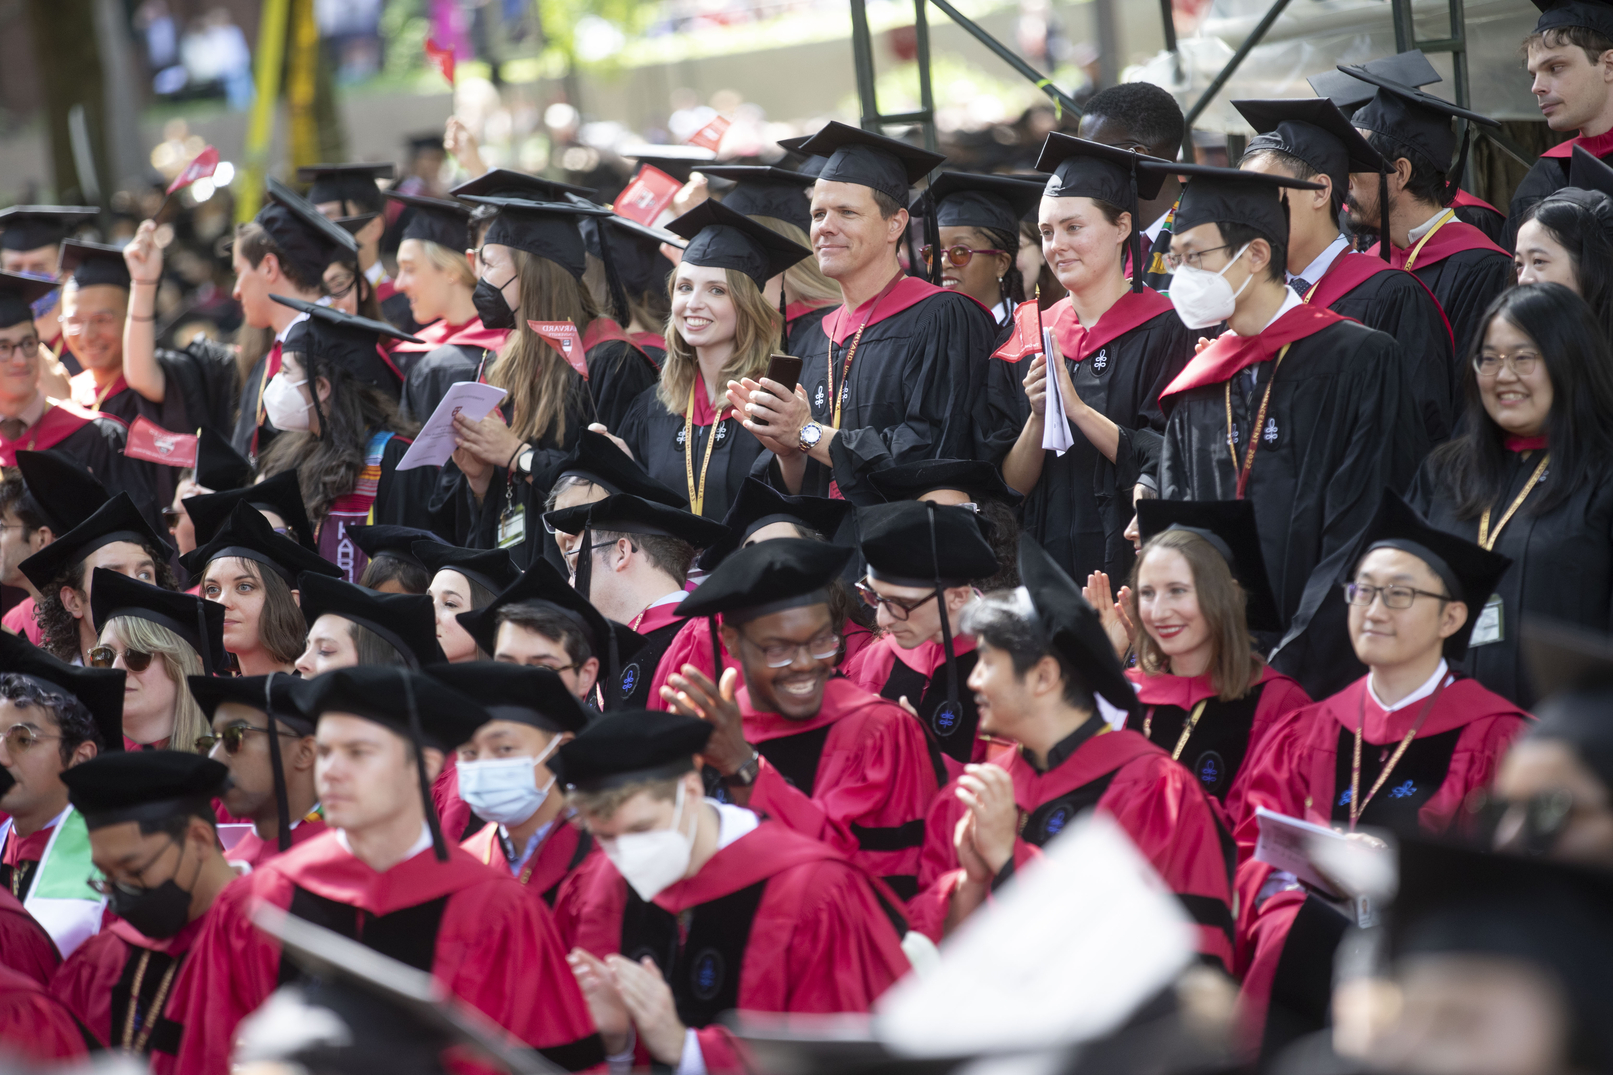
(158, 912)
(491, 307)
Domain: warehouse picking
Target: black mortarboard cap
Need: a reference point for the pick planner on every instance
(29, 227)
(1229, 526)
(145, 785)
(1072, 626)
(1349, 93)
(355, 224)
(491, 569)
(305, 238)
(436, 220)
(901, 549)
(383, 539)
(909, 481)
(281, 494)
(1572, 669)
(1586, 171)
(212, 691)
(679, 162)
(998, 202)
(872, 160)
(1561, 14)
(1228, 196)
(764, 190)
(247, 535)
(597, 459)
(200, 623)
(94, 264)
(1416, 121)
(219, 466)
(63, 491)
(349, 341)
(768, 577)
(524, 694)
(631, 745)
(405, 621)
(99, 689)
(377, 693)
(625, 513)
(1313, 130)
(17, 293)
(807, 164)
(116, 520)
(547, 229)
(1087, 169)
(635, 250)
(721, 238)
(354, 183)
(1469, 571)
(505, 183)
(758, 504)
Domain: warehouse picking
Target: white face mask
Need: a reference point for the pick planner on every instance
(505, 790)
(1203, 298)
(284, 404)
(650, 861)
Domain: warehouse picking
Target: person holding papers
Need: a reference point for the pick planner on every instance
(1121, 344)
(1400, 749)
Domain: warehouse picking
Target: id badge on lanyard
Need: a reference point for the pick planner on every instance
(1488, 629)
(512, 523)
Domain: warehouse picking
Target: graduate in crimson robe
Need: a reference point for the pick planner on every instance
(151, 824)
(1439, 738)
(24, 945)
(35, 1026)
(751, 916)
(435, 907)
(797, 742)
(503, 777)
(1323, 410)
(1069, 758)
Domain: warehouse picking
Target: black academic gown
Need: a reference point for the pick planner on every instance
(1465, 284)
(1482, 217)
(247, 428)
(796, 329)
(1080, 507)
(95, 442)
(428, 377)
(656, 438)
(1546, 176)
(1562, 566)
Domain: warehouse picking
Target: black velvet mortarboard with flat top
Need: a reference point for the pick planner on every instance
(62, 490)
(405, 621)
(808, 164)
(200, 623)
(17, 293)
(1590, 186)
(628, 514)
(1071, 626)
(1313, 130)
(631, 745)
(218, 465)
(436, 220)
(281, 494)
(963, 200)
(100, 690)
(1085, 169)
(116, 520)
(1561, 14)
(977, 478)
(635, 250)
(598, 460)
(345, 340)
(211, 692)
(1229, 526)
(721, 238)
(29, 227)
(902, 550)
(354, 183)
(764, 190)
(543, 584)
(1418, 122)
(94, 264)
(679, 162)
(1350, 93)
(146, 785)
(505, 183)
(521, 693)
(384, 539)
(547, 229)
(768, 577)
(247, 535)
(1229, 196)
(888, 165)
(758, 504)
(306, 239)
(491, 569)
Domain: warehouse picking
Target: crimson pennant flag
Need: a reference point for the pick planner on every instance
(203, 165)
(1026, 339)
(563, 337)
(442, 56)
(710, 136)
(644, 199)
(149, 441)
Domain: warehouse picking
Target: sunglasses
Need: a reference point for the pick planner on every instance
(232, 737)
(958, 256)
(133, 659)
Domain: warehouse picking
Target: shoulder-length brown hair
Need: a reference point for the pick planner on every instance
(539, 381)
(756, 337)
(1233, 664)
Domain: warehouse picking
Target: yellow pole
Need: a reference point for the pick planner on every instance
(260, 125)
(301, 73)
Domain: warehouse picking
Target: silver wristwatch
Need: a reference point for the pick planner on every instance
(811, 434)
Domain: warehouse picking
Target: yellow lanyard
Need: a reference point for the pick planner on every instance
(1358, 805)
(1487, 539)
(100, 397)
(1187, 729)
(1248, 466)
(697, 495)
(845, 370)
(1444, 218)
(131, 1042)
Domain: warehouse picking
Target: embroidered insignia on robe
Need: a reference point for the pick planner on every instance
(706, 975)
(629, 679)
(1100, 361)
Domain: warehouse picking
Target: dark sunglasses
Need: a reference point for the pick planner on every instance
(133, 659)
(232, 737)
(958, 256)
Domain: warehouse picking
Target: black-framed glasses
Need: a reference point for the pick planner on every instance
(133, 659)
(107, 888)
(1521, 363)
(898, 608)
(339, 287)
(572, 555)
(232, 737)
(820, 647)
(957, 256)
(1194, 260)
(1396, 597)
(24, 349)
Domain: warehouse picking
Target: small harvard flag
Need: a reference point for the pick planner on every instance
(647, 196)
(203, 165)
(149, 441)
(1026, 339)
(563, 337)
(442, 56)
(710, 136)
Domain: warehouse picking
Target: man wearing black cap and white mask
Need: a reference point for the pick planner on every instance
(386, 878)
(895, 372)
(30, 245)
(1312, 459)
(1313, 140)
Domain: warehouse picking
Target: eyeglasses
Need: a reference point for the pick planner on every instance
(133, 659)
(75, 326)
(232, 737)
(1194, 260)
(1521, 363)
(107, 888)
(571, 557)
(1397, 597)
(1544, 817)
(21, 737)
(958, 256)
(339, 287)
(782, 654)
(23, 349)
(898, 609)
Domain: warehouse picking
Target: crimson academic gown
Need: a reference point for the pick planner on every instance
(1548, 175)
(25, 947)
(253, 850)
(857, 776)
(774, 922)
(20, 620)
(563, 850)
(474, 928)
(692, 645)
(97, 980)
(919, 674)
(34, 1025)
(1303, 770)
(1154, 799)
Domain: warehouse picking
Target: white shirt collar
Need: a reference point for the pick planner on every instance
(1324, 261)
(280, 337)
(1290, 300)
(669, 599)
(1153, 230)
(1415, 696)
(1422, 229)
(732, 822)
(422, 844)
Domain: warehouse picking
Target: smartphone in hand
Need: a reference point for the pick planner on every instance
(786, 370)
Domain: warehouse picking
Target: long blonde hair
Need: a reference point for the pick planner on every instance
(803, 281)
(539, 381)
(178, 661)
(452, 262)
(756, 337)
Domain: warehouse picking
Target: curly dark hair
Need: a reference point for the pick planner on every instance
(73, 720)
(58, 627)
